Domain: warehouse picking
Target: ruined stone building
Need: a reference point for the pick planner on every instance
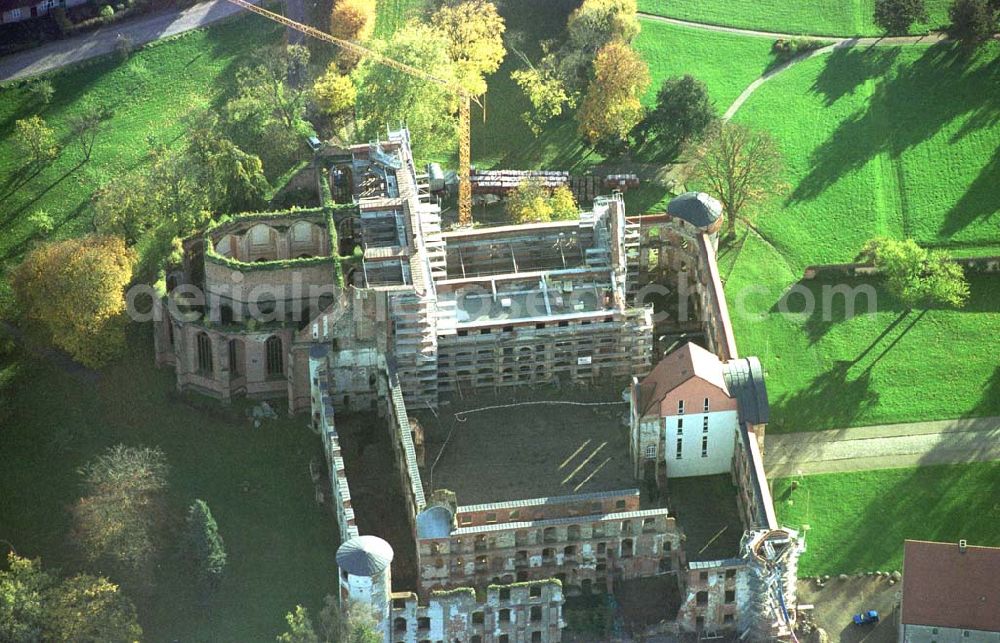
(366, 306)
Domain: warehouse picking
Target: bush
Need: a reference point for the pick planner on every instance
(123, 47)
(41, 90)
(788, 49)
(42, 222)
(107, 11)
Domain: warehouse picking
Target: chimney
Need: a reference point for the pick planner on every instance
(962, 546)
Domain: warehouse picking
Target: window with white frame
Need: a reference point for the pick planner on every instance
(704, 424)
(680, 426)
(15, 13)
(706, 405)
(651, 452)
(704, 446)
(680, 447)
(680, 407)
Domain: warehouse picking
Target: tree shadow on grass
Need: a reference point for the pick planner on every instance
(907, 108)
(832, 399)
(927, 503)
(989, 403)
(979, 203)
(827, 301)
(846, 68)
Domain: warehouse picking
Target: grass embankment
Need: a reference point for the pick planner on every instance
(858, 521)
(149, 94)
(281, 545)
(815, 17)
(899, 142)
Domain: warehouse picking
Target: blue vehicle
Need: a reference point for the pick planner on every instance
(865, 618)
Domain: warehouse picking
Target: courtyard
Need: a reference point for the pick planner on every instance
(529, 451)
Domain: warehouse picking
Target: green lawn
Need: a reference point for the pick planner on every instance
(890, 141)
(858, 521)
(815, 17)
(150, 93)
(727, 64)
(281, 545)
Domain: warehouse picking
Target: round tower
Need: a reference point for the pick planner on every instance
(699, 209)
(365, 576)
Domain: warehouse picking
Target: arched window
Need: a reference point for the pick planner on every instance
(235, 358)
(204, 354)
(275, 356)
(260, 235)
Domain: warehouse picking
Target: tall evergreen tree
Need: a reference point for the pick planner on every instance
(204, 545)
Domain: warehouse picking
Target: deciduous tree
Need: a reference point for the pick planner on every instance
(354, 624)
(37, 606)
(428, 109)
(739, 166)
(84, 128)
(353, 19)
(267, 115)
(75, 290)
(532, 201)
(683, 112)
(595, 23)
(335, 94)
(41, 90)
(915, 275)
(611, 106)
(35, 141)
(118, 520)
(972, 22)
(474, 31)
(897, 16)
(546, 93)
(91, 608)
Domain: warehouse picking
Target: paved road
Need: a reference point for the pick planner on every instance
(883, 447)
(96, 43)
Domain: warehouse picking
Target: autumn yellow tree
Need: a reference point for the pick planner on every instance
(334, 94)
(353, 19)
(75, 290)
(474, 31)
(611, 106)
(531, 202)
(36, 605)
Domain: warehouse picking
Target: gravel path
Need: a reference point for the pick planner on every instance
(883, 447)
(926, 39)
(97, 43)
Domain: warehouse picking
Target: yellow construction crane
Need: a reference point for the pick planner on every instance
(464, 97)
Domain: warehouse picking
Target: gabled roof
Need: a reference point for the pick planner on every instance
(944, 586)
(687, 362)
(745, 381)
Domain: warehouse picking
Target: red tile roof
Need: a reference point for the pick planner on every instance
(686, 362)
(946, 587)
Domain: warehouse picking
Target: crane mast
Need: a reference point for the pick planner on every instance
(464, 97)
